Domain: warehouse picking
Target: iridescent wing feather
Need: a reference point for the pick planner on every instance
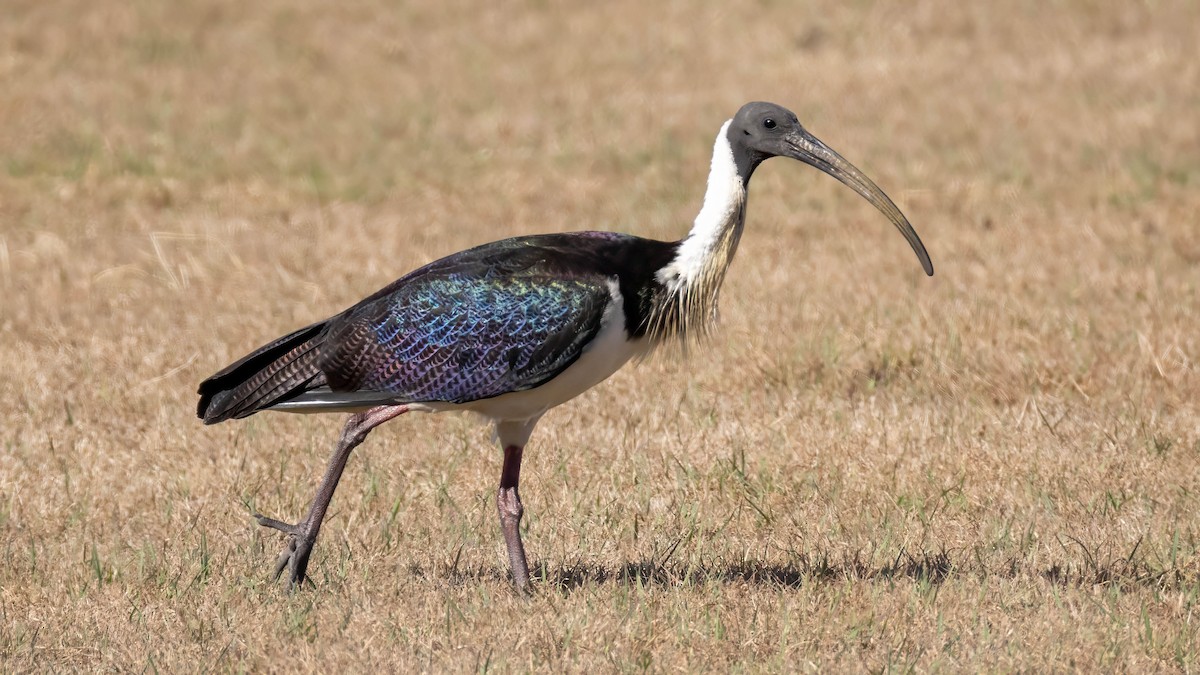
(461, 337)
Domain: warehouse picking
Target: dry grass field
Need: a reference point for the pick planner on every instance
(864, 470)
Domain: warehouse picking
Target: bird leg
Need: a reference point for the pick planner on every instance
(303, 535)
(508, 503)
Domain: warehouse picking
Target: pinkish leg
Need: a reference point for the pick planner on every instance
(303, 535)
(508, 503)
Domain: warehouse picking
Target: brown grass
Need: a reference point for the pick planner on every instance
(992, 469)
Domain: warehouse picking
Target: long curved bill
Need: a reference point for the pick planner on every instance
(810, 150)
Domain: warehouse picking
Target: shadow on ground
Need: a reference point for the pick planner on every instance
(929, 568)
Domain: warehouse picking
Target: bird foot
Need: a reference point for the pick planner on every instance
(294, 556)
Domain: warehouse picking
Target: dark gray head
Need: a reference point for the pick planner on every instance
(762, 130)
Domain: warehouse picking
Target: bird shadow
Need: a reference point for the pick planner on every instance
(932, 568)
(927, 569)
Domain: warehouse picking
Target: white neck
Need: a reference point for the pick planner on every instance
(691, 283)
(717, 227)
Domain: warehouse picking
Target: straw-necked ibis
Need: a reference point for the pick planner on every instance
(516, 327)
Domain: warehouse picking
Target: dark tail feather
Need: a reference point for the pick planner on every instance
(267, 375)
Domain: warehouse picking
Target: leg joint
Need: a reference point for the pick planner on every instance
(508, 503)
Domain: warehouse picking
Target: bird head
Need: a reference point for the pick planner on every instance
(762, 130)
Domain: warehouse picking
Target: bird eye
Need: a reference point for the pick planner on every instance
(769, 123)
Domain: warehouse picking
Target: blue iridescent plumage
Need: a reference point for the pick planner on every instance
(459, 337)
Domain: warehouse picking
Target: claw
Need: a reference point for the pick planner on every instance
(294, 556)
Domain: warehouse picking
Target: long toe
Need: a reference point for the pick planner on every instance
(294, 558)
(298, 568)
(285, 557)
(297, 529)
